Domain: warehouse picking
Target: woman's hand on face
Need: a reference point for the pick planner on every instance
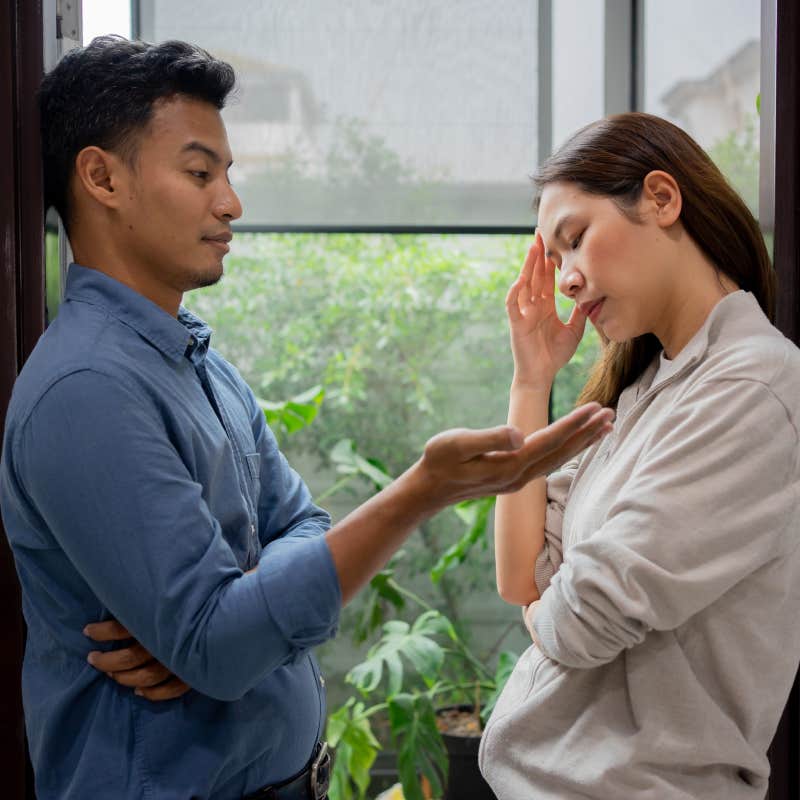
(540, 342)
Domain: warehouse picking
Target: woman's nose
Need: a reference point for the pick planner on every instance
(570, 281)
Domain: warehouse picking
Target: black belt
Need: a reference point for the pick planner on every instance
(310, 784)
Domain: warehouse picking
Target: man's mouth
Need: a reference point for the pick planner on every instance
(220, 241)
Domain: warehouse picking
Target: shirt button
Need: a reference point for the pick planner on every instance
(252, 530)
(321, 681)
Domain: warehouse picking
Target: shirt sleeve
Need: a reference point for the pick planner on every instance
(710, 502)
(552, 553)
(97, 463)
(285, 507)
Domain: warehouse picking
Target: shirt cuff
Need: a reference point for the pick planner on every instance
(301, 589)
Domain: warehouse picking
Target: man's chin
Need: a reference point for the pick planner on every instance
(206, 278)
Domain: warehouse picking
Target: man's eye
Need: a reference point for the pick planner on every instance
(198, 173)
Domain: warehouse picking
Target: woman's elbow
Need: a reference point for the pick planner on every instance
(517, 593)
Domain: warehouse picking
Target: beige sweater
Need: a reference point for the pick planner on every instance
(670, 614)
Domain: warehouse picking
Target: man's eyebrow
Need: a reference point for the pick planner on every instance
(201, 148)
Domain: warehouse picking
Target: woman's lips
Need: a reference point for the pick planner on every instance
(592, 310)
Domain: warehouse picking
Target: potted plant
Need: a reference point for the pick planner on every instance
(421, 675)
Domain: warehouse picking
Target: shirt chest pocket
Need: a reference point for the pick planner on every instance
(253, 463)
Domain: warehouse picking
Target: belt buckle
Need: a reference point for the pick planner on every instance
(320, 773)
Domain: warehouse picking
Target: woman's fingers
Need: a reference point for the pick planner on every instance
(549, 288)
(577, 321)
(524, 296)
(512, 300)
(538, 277)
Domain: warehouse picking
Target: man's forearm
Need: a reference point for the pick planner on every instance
(456, 465)
(367, 537)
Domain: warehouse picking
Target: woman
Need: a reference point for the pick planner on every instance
(659, 571)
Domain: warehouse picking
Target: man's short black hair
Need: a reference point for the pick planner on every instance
(103, 95)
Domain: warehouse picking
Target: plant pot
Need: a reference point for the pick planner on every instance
(465, 781)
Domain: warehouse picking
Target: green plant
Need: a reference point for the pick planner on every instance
(413, 668)
(444, 669)
(406, 336)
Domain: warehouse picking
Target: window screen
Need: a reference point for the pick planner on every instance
(363, 113)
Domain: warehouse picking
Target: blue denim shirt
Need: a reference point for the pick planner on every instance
(139, 481)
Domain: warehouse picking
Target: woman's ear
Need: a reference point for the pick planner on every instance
(660, 191)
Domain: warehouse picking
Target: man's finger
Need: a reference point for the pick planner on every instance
(127, 658)
(109, 631)
(168, 690)
(544, 449)
(593, 430)
(554, 435)
(144, 677)
(465, 444)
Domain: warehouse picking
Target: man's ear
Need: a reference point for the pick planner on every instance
(101, 175)
(660, 191)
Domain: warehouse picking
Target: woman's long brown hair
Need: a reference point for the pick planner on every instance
(611, 158)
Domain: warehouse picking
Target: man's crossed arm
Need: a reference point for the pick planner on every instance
(456, 465)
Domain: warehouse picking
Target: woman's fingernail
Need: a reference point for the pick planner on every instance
(91, 658)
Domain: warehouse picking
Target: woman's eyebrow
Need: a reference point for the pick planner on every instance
(565, 220)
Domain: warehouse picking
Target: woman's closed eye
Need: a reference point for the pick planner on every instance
(576, 241)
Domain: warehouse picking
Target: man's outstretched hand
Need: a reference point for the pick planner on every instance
(132, 666)
(460, 464)
(456, 465)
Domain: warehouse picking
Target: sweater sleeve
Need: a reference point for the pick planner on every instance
(709, 502)
(552, 554)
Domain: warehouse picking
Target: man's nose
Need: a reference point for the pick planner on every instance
(229, 206)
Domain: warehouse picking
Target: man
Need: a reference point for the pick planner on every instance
(140, 483)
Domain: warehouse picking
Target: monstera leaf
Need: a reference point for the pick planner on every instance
(350, 734)
(399, 640)
(420, 749)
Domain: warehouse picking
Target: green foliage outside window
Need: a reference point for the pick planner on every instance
(400, 337)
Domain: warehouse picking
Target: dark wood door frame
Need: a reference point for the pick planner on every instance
(22, 312)
(21, 321)
(782, 103)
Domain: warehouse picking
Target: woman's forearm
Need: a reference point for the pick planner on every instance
(519, 517)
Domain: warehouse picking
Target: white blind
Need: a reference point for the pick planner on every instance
(370, 112)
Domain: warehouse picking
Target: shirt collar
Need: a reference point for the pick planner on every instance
(733, 312)
(173, 337)
(726, 315)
